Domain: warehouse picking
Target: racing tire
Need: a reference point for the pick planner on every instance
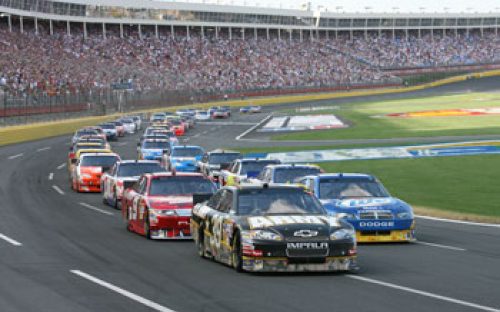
(200, 244)
(147, 231)
(236, 258)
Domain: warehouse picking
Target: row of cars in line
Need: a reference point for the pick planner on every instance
(252, 214)
(216, 112)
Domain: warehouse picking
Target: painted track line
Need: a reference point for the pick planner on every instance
(148, 303)
(43, 149)
(493, 225)
(51, 176)
(95, 209)
(424, 293)
(16, 156)
(238, 138)
(61, 166)
(58, 189)
(10, 240)
(440, 246)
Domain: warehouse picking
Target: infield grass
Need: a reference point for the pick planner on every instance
(367, 120)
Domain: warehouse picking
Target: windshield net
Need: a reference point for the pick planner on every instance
(350, 188)
(137, 169)
(277, 202)
(285, 175)
(156, 145)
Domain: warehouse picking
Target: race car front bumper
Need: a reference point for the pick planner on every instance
(331, 264)
(90, 186)
(170, 227)
(385, 236)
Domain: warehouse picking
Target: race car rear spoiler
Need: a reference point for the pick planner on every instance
(200, 198)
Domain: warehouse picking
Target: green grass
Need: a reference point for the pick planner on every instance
(466, 185)
(365, 126)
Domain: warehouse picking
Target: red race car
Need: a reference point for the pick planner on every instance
(159, 205)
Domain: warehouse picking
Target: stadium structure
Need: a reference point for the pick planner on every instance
(236, 22)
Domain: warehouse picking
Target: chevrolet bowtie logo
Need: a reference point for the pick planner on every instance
(305, 233)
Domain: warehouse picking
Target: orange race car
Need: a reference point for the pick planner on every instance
(86, 173)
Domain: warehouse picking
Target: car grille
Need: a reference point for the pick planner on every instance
(375, 215)
(306, 252)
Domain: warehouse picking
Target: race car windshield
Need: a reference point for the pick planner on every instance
(181, 186)
(350, 188)
(108, 126)
(284, 175)
(255, 167)
(156, 145)
(277, 202)
(89, 146)
(176, 122)
(187, 152)
(99, 161)
(223, 158)
(137, 169)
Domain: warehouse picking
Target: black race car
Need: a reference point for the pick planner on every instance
(214, 161)
(272, 228)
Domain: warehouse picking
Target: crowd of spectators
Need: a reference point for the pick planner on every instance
(32, 62)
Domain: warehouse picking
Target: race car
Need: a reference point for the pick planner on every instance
(241, 170)
(159, 205)
(362, 200)
(244, 109)
(138, 121)
(213, 162)
(183, 158)
(255, 109)
(110, 131)
(84, 145)
(122, 176)
(202, 115)
(153, 149)
(177, 127)
(170, 135)
(120, 128)
(86, 174)
(220, 113)
(83, 132)
(286, 173)
(158, 117)
(272, 228)
(128, 125)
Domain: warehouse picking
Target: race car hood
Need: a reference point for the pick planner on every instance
(296, 226)
(354, 205)
(152, 151)
(185, 159)
(170, 202)
(91, 170)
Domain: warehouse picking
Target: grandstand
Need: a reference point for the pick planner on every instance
(79, 46)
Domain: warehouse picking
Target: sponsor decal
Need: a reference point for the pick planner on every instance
(398, 152)
(305, 233)
(365, 202)
(264, 222)
(301, 123)
(307, 245)
(448, 113)
(376, 224)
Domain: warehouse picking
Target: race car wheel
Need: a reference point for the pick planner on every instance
(147, 231)
(236, 253)
(200, 245)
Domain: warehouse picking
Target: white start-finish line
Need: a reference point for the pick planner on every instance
(10, 240)
(148, 303)
(424, 293)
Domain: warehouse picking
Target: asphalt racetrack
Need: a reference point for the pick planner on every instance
(68, 252)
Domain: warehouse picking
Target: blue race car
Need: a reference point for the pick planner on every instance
(183, 158)
(364, 202)
(153, 149)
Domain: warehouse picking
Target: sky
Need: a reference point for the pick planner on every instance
(467, 6)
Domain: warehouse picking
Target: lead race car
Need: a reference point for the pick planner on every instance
(362, 200)
(272, 228)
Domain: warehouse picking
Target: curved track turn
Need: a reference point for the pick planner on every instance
(454, 267)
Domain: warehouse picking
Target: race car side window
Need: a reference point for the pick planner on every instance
(142, 185)
(214, 200)
(112, 172)
(226, 202)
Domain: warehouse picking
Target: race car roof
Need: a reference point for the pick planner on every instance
(186, 146)
(291, 166)
(259, 186)
(223, 151)
(174, 174)
(142, 161)
(345, 175)
(98, 154)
